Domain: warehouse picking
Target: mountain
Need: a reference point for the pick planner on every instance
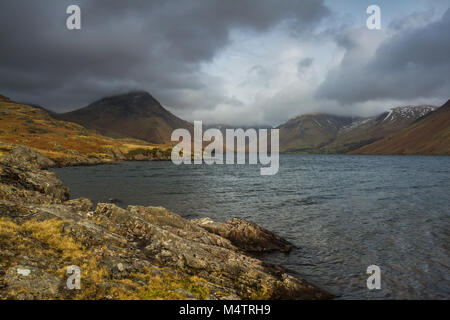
(368, 130)
(309, 133)
(67, 143)
(322, 133)
(135, 114)
(429, 135)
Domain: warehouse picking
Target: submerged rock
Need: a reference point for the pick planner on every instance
(133, 253)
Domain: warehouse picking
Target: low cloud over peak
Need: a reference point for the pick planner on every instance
(154, 45)
(252, 62)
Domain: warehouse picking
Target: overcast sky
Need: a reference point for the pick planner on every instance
(234, 62)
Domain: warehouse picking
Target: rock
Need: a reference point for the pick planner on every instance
(123, 252)
(230, 297)
(80, 204)
(23, 272)
(21, 172)
(43, 182)
(25, 156)
(140, 157)
(116, 154)
(174, 242)
(246, 235)
(29, 283)
(188, 295)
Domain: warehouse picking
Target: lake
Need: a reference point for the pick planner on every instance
(342, 212)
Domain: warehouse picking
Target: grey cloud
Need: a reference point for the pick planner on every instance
(123, 45)
(257, 75)
(414, 20)
(304, 64)
(414, 63)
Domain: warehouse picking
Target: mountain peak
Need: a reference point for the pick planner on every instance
(135, 93)
(428, 135)
(138, 95)
(324, 133)
(135, 114)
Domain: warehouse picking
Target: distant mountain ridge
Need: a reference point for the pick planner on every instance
(309, 133)
(135, 114)
(139, 115)
(430, 134)
(324, 133)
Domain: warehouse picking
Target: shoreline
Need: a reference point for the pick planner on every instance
(132, 253)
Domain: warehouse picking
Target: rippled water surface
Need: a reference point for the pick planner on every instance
(343, 213)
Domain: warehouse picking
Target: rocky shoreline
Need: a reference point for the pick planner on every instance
(133, 253)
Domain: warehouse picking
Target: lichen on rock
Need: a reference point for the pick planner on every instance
(133, 253)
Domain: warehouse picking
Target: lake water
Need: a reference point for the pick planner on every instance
(343, 213)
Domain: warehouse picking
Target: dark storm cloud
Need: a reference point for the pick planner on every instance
(124, 45)
(414, 63)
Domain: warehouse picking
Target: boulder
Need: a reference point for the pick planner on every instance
(26, 157)
(80, 204)
(20, 171)
(246, 235)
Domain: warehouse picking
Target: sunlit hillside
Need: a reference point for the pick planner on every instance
(66, 142)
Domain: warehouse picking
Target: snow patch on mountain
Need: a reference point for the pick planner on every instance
(408, 112)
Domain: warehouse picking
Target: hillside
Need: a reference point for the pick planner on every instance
(135, 114)
(368, 130)
(309, 133)
(64, 142)
(321, 133)
(429, 135)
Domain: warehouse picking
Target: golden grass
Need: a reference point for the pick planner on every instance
(8, 230)
(261, 294)
(49, 232)
(59, 140)
(46, 239)
(163, 287)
